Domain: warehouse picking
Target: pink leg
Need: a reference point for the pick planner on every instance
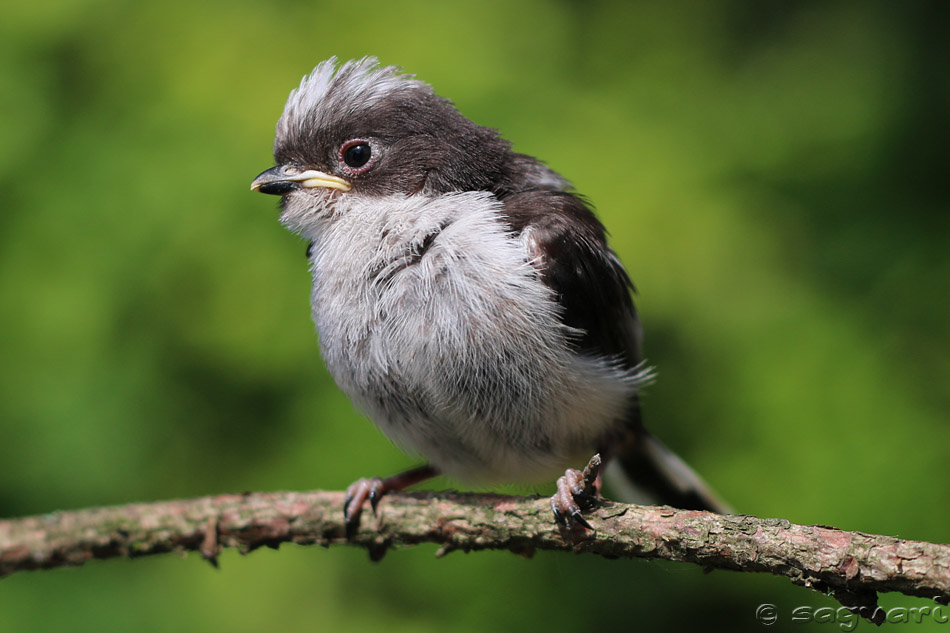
(374, 488)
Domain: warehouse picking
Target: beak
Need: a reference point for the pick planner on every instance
(283, 179)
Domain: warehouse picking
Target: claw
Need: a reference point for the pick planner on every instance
(576, 490)
(558, 517)
(356, 496)
(373, 489)
(577, 517)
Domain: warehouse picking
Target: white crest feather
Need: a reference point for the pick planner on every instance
(329, 91)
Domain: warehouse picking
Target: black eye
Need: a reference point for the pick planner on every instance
(357, 155)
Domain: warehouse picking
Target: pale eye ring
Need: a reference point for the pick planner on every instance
(356, 156)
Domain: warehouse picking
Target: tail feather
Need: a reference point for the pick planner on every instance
(646, 470)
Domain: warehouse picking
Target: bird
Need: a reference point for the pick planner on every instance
(465, 297)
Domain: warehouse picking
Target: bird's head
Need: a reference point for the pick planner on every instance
(365, 130)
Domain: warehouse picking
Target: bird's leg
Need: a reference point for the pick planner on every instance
(374, 488)
(576, 491)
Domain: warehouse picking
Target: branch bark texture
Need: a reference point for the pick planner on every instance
(852, 566)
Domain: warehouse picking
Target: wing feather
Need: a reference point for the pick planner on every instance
(568, 246)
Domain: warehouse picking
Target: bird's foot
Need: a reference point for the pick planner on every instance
(576, 491)
(373, 489)
(356, 495)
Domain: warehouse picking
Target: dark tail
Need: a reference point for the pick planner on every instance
(647, 468)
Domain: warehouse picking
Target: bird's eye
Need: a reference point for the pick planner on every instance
(356, 154)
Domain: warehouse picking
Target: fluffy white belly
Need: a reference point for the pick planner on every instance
(434, 322)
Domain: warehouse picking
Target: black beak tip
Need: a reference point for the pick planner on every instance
(274, 181)
(278, 187)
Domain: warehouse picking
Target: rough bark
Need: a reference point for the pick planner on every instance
(852, 566)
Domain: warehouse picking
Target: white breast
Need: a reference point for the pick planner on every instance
(434, 322)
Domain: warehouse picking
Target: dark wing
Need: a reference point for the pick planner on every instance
(568, 246)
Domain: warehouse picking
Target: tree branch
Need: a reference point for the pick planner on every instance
(852, 566)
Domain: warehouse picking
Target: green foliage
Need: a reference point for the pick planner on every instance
(769, 173)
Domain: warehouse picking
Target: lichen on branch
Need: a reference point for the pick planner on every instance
(851, 566)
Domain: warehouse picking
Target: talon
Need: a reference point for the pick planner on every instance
(576, 490)
(577, 517)
(356, 496)
(558, 517)
(373, 490)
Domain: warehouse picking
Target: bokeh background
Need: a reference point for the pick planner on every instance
(773, 174)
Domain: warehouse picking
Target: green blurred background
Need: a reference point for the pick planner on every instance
(773, 174)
